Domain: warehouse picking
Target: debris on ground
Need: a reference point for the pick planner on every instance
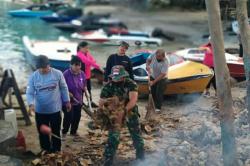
(93, 144)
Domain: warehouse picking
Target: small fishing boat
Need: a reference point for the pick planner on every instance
(116, 31)
(64, 15)
(132, 37)
(235, 64)
(38, 10)
(183, 76)
(31, 11)
(91, 22)
(58, 52)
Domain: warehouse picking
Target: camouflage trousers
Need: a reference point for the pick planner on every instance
(135, 132)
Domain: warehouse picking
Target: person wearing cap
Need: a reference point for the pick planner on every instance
(88, 61)
(46, 92)
(124, 88)
(119, 58)
(76, 81)
(157, 66)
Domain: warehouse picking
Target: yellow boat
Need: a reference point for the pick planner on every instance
(183, 77)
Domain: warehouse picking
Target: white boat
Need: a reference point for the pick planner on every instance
(59, 52)
(235, 64)
(133, 38)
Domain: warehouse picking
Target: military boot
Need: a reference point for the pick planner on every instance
(140, 154)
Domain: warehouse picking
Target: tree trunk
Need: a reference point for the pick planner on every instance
(241, 9)
(223, 84)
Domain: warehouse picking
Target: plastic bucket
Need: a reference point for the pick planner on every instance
(10, 116)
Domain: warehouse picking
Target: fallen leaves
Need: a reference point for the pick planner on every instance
(93, 143)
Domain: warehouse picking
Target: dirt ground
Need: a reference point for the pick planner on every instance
(187, 27)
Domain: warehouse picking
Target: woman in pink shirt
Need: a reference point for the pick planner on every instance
(209, 61)
(88, 61)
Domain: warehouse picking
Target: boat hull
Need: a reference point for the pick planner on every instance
(235, 64)
(236, 71)
(29, 13)
(183, 76)
(52, 19)
(55, 63)
(104, 39)
(184, 86)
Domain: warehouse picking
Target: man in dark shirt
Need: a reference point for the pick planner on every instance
(119, 59)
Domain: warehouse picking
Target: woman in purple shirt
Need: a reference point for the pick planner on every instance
(76, 81)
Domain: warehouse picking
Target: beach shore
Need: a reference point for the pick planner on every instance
(188, 129)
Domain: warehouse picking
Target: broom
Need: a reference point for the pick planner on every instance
(150, 105)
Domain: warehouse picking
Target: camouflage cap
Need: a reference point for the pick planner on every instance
(118, 72)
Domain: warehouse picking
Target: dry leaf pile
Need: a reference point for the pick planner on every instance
(90, 153)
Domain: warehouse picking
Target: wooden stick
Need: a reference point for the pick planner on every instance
(53, 135)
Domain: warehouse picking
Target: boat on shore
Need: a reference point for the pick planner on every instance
(89, 22)
(58, 52)
(64, 15)
(38, 10)
(135, 38)
(184, 77)
(235, 64)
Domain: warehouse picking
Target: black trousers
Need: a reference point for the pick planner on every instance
(212, 81)
(71, 119)
(158, 90)
(54, 122)
(89, 88)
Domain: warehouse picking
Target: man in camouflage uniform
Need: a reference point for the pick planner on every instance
(124, 88)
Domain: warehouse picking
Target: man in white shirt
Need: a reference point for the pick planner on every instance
(157, 66)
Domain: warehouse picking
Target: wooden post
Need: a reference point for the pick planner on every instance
(223, 82)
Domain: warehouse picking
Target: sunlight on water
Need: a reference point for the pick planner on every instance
(11, 32)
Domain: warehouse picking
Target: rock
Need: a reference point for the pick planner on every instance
(147, 129)
(9, 161)
(7, 138)
(241, 118)
(207, 133)
(203, 156)
(36, 161)
(240, 163)
(247, 162)
(244, 152)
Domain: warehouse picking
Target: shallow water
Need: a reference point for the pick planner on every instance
(11, 32)
(11, 48)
